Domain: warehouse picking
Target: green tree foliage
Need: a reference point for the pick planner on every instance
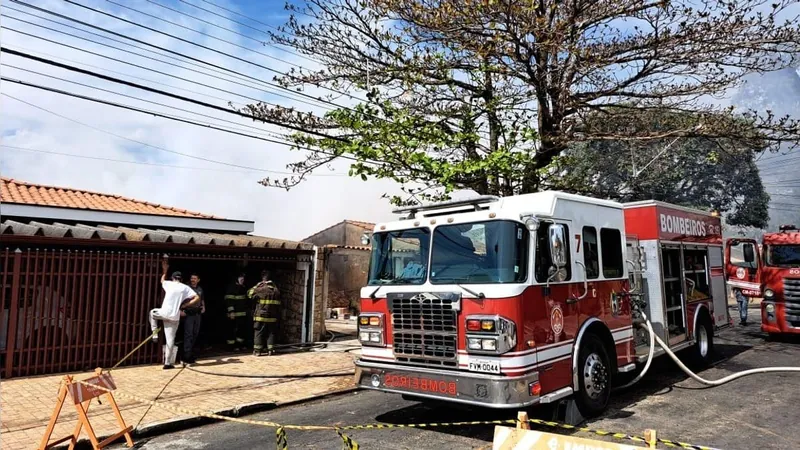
(489, 94)
(708, 173)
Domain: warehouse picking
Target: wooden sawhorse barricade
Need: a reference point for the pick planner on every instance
(82, 394)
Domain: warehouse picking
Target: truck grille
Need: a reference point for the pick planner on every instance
(791, 294)
(425, 329)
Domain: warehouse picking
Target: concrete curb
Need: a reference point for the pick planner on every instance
(187, 422)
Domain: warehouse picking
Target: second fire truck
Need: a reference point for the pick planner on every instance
(509, 302)
(771, 272)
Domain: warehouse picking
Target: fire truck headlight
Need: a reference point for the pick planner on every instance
(769, 293)
(770, 308)
(489, 344)
(474, 344)
(375, 337)
(364, 336)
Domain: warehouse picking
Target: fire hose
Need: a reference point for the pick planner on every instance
(655, 339)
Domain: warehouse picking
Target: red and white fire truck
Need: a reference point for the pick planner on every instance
(514, 301)
(772, 272)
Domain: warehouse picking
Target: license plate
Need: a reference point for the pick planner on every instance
(483, 365)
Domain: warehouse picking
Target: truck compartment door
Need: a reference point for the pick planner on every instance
(742, 266)
(718, 291)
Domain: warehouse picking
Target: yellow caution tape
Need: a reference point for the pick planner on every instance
(351, 444)
(667, 442)
(280, 435)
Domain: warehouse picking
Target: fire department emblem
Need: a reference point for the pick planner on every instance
(557, 320)
(740, 273)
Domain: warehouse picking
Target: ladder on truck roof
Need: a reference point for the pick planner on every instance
(475, 202)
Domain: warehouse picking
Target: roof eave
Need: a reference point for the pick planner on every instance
(123, 218)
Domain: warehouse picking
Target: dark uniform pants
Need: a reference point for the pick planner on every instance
(191, 329)
(237, 320)
(264, 336)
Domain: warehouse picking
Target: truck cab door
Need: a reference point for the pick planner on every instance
(742, 266)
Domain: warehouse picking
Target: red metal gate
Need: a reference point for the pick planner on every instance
(67, 310)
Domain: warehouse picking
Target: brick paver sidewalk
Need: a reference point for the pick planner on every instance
(27, 403)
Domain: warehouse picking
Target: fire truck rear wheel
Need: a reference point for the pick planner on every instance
(704, 343)
(594, 377)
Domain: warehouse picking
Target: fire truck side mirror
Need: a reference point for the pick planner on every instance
(558, 251)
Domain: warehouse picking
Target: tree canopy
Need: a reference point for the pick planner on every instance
(491, 94)
(707, 173)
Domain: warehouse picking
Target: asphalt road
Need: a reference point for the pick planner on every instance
(754, 412)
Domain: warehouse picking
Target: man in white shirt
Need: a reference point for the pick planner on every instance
(177, 296)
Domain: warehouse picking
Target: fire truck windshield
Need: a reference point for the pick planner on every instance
(399, 257)
(783, 255)
(483, 252)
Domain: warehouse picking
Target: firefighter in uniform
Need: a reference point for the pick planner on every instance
(236, 302)
(265, 316)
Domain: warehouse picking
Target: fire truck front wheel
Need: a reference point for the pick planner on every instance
(594, 380)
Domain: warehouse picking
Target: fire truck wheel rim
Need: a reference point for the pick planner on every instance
(595, 376)
(702, 341)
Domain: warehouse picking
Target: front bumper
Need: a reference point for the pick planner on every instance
(493, 391)
(779, 320)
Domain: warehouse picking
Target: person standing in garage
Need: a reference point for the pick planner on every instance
(236, 302)
(265, 316)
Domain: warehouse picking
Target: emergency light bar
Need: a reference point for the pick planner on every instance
(474, 201)
(787, 228)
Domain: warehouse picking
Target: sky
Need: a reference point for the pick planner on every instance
(43, 123)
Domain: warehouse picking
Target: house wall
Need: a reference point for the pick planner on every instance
(335, 235)
(347, 273)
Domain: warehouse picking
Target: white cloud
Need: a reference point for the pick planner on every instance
(313, 205)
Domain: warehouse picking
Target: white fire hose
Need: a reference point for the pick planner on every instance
(721, 381)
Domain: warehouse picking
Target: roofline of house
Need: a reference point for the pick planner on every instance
(112, 217)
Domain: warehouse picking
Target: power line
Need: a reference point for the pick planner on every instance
(208, 22)
(202, 33)
(157, 114)
(205, 47)
(149, 80)
(119, 136)
(191, 63)
(278, 94)
(168, 166)
(176, 53)
(144, 111)
(259, 130)
(235, 13)
(166, 93)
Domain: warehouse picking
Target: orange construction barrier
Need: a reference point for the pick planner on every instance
(82, 393)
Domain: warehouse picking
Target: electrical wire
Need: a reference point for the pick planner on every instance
(205, 47)
(202, 33)
(153, 113)
(277, 94)
(118, 105)
(275, 46)
(318, 103)
(144, 163)
(173, 52)
(167, 94)
(240, 127)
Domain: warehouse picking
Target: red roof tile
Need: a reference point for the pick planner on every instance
(20, 192)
